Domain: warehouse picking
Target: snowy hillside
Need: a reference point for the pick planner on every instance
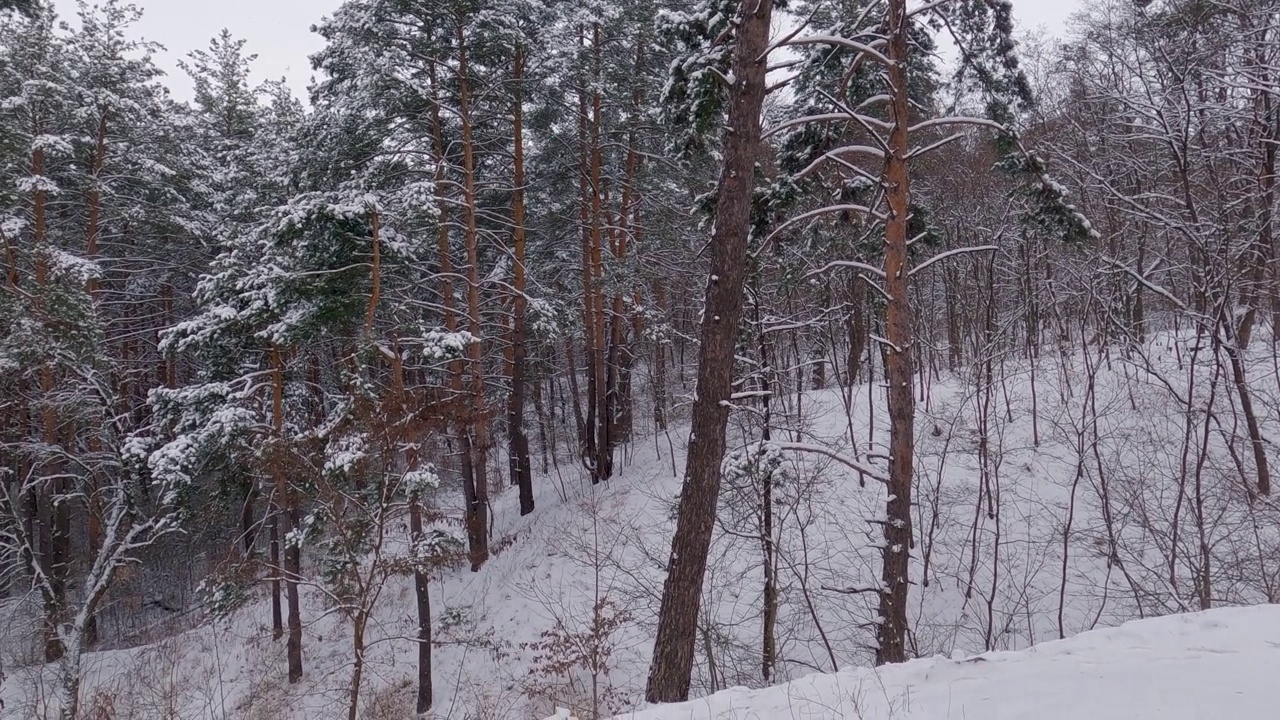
(1214, 664)
(564, 612)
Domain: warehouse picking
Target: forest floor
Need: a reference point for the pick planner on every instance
(1052, 527)
(1213, 664)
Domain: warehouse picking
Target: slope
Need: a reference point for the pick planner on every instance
(1044, 510)
(1214, 664)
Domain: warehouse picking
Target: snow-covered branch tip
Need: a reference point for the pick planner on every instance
(950, 254)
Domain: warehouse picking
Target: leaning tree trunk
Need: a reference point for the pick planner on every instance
(892, 626)
(672, 667)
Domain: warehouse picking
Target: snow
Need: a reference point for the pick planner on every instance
(37, 183)
(585, 545)
(1214, 664)
(439, 345)
(421, 480)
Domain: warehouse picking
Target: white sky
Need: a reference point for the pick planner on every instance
(1051, 15)
(279, 31)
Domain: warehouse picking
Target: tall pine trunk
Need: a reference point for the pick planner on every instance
(55, 549)
(672, 666)
(603, 375)
(273, 557)
(93, 233)
(518, 446)
(590, 351)
(409, 441)
(892, 625)
(476, 541)
(660, 351)
(768, 550)
(626, 234)
(477, 442)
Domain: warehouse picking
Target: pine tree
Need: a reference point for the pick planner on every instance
(84, 110)
(28, 7)
(672, 665)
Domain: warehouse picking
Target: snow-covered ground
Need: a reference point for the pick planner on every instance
(1058, 524)
(1200, 666)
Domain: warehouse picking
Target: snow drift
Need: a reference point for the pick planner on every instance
(1214, 664)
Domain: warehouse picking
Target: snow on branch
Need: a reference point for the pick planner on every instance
(868, 50)
(950, 254)
(847, 264)
(927, 7)
(1149, 285)
(956, 120)
(836, 154)
(886, 343)
(806, 120)
(926, 149)
(844, 207)
(845, 460)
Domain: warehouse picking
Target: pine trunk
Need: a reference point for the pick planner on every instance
(672, 666)
(55, 550)
(478, 445)
(287, 518)
(590, 351)
(421, 587)
(277, 569)
(602, 369)
(462, 427)
(892, 624)
(518, 447)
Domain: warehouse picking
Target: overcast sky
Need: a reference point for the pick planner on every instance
(279, 31)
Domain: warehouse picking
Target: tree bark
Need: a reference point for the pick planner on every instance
(293, 572)
(357, 665)
(892, 623)
(768, 551)
(591, 354)
(277, 570)
(55, 550)
(518, 440)
(672, 666)
(461, 427)
(96, 162)
(478, 444)
(571, 372)
(1256, 442)
(93, 234)
(421, 587)
(660, 351)
(602, 368)
(288, 514)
